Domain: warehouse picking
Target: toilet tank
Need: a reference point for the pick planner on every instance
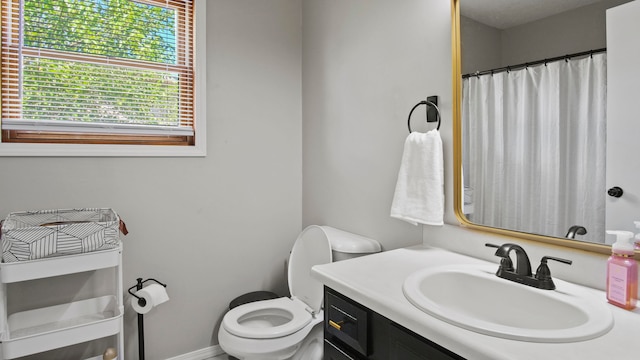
(346, 245)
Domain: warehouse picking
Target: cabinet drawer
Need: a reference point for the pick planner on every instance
(347, 321)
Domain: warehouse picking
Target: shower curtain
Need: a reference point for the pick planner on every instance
(535, 147)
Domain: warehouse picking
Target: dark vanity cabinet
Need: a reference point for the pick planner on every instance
(354, 332)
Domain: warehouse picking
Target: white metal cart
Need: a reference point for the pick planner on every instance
(48, 328)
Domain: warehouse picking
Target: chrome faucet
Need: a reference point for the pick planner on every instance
(522, 272)
(575, 229)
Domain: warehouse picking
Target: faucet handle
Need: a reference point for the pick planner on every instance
(565, 261)
(543, 274)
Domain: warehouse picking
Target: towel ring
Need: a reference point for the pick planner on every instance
(427, 103)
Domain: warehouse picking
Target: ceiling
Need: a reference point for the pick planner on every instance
(503, 14)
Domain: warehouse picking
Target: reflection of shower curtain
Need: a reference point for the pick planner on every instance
(535, 147)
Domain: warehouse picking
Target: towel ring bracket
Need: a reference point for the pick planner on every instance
(432, 111)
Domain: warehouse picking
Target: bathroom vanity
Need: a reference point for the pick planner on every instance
(353, 331)
(371, 318)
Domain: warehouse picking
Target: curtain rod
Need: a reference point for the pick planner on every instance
(525, 65)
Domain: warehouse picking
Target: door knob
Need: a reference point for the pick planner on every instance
(615, 191)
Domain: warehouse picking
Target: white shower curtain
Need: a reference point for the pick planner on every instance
(535, 147)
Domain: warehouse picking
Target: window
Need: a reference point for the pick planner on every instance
(98, 72)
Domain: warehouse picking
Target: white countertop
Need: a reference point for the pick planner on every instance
(375, 281)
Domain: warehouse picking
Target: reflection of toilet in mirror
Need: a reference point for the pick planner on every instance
(291, 328)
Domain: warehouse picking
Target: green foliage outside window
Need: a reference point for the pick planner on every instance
(64, 89)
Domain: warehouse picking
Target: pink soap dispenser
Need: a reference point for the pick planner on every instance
(622, 272)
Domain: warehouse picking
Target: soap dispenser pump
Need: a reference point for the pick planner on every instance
(637, 238)
(622, 272)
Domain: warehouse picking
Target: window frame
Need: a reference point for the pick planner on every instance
(88, 144)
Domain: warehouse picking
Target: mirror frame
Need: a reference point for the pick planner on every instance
(456, 60)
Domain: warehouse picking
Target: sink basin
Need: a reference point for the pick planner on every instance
(474, 298)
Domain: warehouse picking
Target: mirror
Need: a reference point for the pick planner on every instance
(526, 164)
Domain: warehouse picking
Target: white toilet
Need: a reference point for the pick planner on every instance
(291, 328)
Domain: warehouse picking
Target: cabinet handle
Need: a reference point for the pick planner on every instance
(337, 325)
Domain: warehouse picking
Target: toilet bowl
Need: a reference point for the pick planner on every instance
(291, 328)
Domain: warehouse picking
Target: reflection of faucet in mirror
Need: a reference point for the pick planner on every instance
(575, 229)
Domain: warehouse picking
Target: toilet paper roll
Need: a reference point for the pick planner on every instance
(153, 294)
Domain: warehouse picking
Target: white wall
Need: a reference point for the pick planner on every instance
(212, 228)
(573, 31)
(481, 46)
(569, 32)
(365, 64)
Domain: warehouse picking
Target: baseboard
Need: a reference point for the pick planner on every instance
(202, 354)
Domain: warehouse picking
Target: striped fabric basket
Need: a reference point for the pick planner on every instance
(31, 235)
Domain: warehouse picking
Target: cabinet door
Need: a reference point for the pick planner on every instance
(334, 351)
(405, 345)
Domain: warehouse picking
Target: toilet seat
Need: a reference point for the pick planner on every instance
(276, 348)
(267, 319)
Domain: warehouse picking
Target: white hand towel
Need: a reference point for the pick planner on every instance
(419, 194)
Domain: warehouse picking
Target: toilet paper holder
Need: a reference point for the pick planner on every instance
(138, 286)
(141, 302)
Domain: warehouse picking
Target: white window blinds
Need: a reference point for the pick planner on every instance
(98, 66)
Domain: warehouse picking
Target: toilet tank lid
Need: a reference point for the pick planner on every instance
(350, 243)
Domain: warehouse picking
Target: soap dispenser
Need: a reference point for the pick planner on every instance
(637, 238)
(622, 272)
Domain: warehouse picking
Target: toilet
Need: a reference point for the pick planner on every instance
(291, 327)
